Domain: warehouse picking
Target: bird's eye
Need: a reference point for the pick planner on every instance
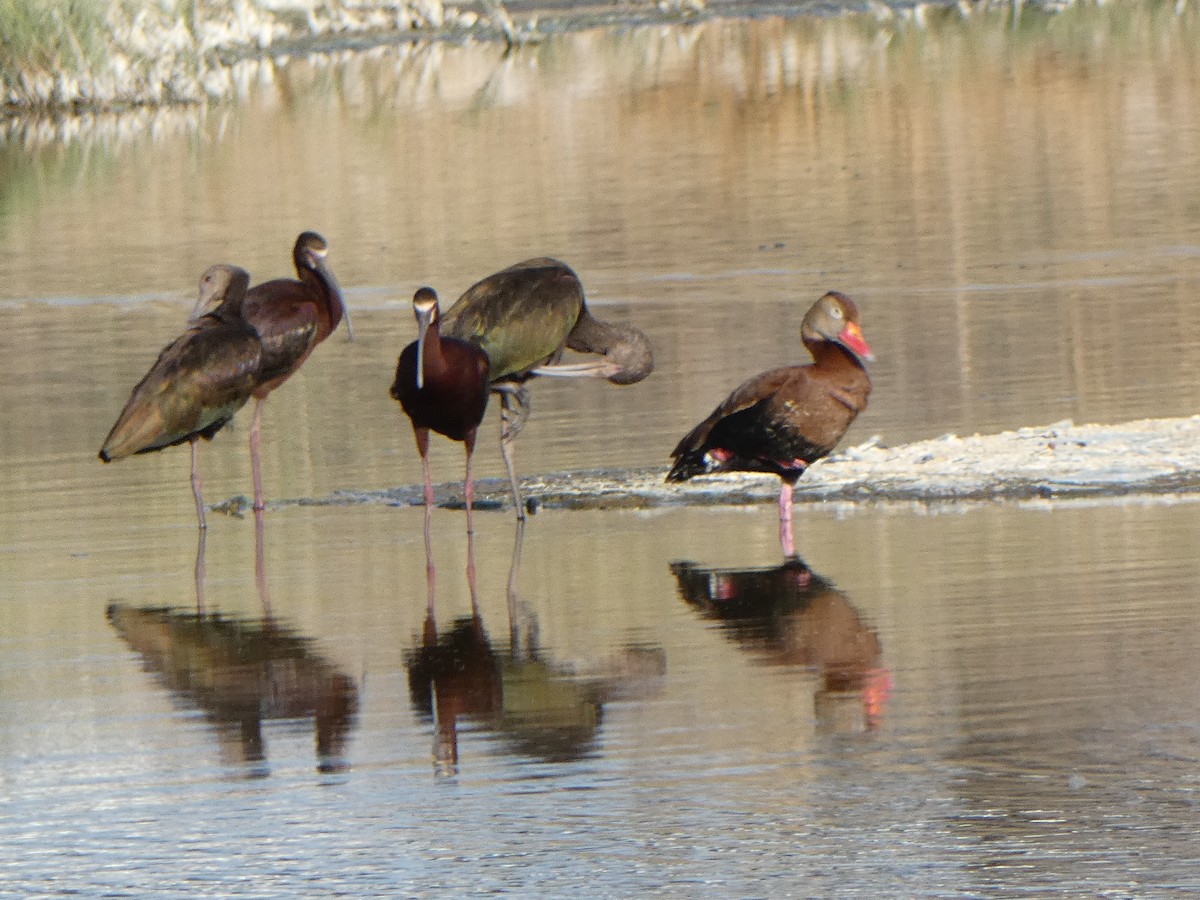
(836, 311)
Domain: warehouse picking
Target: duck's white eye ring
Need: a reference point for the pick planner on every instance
(835, 311)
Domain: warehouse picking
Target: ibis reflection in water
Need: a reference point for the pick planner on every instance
(198, 382)
(534, 706)
(240, 673)
(790, 616)
(785, 419)
(524, 318)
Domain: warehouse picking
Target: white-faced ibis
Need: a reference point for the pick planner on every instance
(524, 317)
(291, 317)
(442, 384)
(198, 382)
(784, 420)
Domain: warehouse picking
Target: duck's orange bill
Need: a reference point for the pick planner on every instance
(852, 337)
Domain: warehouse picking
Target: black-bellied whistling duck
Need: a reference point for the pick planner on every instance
(198, 382)
(784, 420)
(291, 317)
(524, 317)
(442, 384)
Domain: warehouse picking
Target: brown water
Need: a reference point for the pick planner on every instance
(992, 700)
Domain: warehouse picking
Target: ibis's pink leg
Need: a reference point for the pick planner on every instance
(785, 520)
(514, 410)
(197, 487)
(469, 484)
(422, 436)
(506, 451)
(255, 467)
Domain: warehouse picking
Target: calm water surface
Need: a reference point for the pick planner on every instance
(965, 701)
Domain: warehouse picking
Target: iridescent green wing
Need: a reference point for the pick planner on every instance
(520, 316)
(198, 382)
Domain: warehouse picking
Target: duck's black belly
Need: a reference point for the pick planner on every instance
(759, 442)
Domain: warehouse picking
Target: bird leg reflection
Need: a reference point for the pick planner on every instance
(514, 631)
(197, 485)
(471, 582)
(260, 562)
(430, 571)
(422, 437)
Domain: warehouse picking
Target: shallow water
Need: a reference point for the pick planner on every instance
(989, 700)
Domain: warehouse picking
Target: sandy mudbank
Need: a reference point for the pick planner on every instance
(1059, 460)
(1148, 456)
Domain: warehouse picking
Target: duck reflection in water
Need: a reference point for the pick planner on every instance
(240, 672)
(537, 708)
(790, 616)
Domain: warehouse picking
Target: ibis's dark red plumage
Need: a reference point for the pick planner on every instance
(442, 384)
(291, 316)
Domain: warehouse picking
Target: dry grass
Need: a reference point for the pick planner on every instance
(98, 54)
(48, 35)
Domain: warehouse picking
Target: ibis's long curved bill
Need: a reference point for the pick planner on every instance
(600, 369)
(424, 318)
(327, 274)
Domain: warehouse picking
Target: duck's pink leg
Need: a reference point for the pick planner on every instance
(785, 520)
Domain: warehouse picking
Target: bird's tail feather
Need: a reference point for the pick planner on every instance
(689, 465)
